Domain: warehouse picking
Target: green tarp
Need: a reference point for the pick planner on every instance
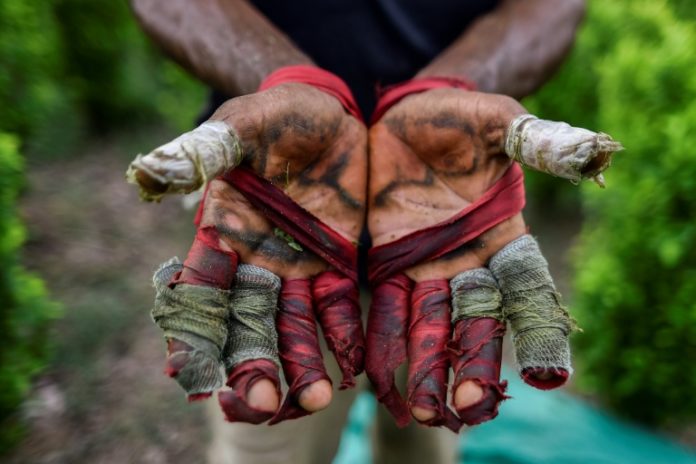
(535, 427)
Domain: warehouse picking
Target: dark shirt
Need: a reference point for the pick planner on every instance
(371, 42)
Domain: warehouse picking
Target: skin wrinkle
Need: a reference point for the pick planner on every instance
(330, 178)
(272, 133)
(447, 120)
(382, 197)
(450, 158)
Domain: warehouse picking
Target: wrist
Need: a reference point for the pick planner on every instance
(392, 95)
(321, 79)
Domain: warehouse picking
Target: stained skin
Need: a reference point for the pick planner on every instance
(431, 156)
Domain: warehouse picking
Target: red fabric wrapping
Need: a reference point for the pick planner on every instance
(395, 93)
(241, 378)
(336, 299)
(475, 353)
(321, 79)
(290, 217)
(298, 346)
(502, 201)
(534, 376)
(387, 324)
(207, 264)
(428, 366)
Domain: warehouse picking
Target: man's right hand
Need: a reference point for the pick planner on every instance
(302, 141)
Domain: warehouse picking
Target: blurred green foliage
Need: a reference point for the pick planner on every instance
(632, 76)
(74, 67)
(25, 308)
(68, 69)
(32, 102)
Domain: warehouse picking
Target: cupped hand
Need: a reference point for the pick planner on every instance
(439, 161)
(301, 143)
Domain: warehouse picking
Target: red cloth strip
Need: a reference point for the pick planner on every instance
(502, 201)
(475, 354)
(298, 345)
(536, 377)
(395, 93)
(207, 264)
(290, 217)
(387, 324)
(337, 305)
(241, 378)
(321, 79)
(428, 365)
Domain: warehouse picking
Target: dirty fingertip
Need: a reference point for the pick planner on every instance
(467, 394)
(423, 414)
(263, 395)
(316, 396)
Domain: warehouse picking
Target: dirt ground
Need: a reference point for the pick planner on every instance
(104, 398)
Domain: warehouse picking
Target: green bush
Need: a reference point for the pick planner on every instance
(636, 260)
(68, 66)
(25, 309)
(34, 103)
(119, 77)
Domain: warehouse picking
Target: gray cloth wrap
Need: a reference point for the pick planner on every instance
(197, 316)
(251, 326)
(540, 324)
(475, 294)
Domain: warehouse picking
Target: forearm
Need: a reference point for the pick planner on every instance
(514, 49)
(226, 43)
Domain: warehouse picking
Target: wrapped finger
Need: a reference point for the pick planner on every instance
(428, 333)
(336, 299)
(560, 149)
(197, 316)
(187, 162)
(476, 346)
(298, 345)
(386, 342)
(207, 264)
(540, 324)
(251, 353)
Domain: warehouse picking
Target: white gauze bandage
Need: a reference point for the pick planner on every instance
(559, 149)
(186, 163)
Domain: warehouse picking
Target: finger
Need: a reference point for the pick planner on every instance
(336, 299)
(251, 353)
(540, 325)
(187, 162)
(207, 264)
(300, 354)
(476, 346)
(197, 316)
(387, 324)
(428, 333)
(559, 149)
